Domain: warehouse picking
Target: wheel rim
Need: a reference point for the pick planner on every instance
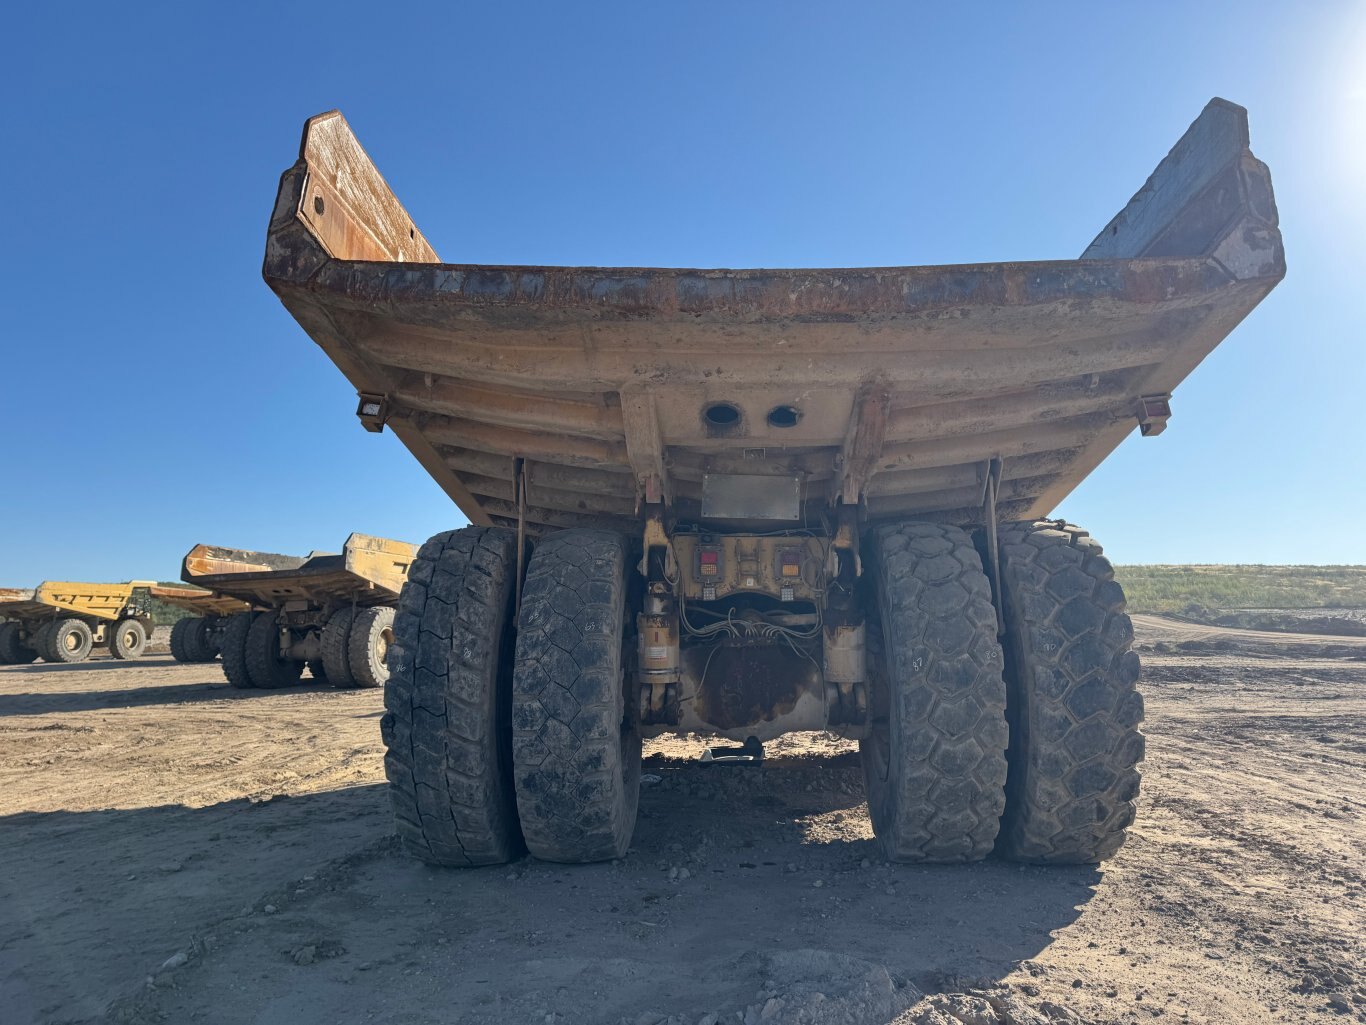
(71, 642)
(386, 638)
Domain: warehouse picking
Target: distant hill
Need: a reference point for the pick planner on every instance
(1176, 588)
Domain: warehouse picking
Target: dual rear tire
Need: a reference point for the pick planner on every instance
(502, 737)
(500, 740)
(354, 650)
(1027, 745)
(193, 639)
(14, 650)
(355, 647)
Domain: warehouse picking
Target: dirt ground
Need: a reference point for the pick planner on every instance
(173, 850)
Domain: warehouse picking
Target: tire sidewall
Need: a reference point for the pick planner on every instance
(368, 667)
(881, 753)
(64, 629)
(119, 645)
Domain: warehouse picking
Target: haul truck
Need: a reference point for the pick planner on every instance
(198, 637)
(61, 621)
(331, 613)
(743, 502)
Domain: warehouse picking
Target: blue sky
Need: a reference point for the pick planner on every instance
(157, 394)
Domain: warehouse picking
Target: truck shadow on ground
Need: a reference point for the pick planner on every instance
(731, 872)
(96, 663)
(728, 867)
(117, 891)
(58, 702)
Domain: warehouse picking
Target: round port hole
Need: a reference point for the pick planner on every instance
(784, 416)
(721, 414)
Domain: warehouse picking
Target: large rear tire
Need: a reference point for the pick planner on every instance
(199, 640)
(179, 632)
(13, 650)
(69, 640)
(935, 765)
(335, 648)
(1073, 704)
(127, 639)
(41, 638)
(269, 669)
(447, 725)
(575, 735)
(235, 634)
(371, 634)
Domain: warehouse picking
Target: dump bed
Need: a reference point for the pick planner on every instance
(54, 598)
(199, 602)
(893, 386)
(12, 598)
(370, 571)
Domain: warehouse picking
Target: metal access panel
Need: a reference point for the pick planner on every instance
(734, 496)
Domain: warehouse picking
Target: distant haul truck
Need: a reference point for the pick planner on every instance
(746, 502)
(61, 621)
(331, 613)
(198, 636)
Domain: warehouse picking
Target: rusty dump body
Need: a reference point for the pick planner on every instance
(743, 503)
(370, 571)
(891, 387)
(10, 596)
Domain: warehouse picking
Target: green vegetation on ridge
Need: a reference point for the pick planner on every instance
(1174, 588)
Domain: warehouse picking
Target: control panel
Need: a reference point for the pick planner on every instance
(714, 566)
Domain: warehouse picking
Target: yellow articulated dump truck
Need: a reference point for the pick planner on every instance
(198, 636)
(747, 502)
(331, 613)
(61, 621)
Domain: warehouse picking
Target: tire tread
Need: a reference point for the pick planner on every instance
(577, 775)
(1074, 703)
(937, 628)
(446, 731)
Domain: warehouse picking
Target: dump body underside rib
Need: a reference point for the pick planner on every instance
(904, 382)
